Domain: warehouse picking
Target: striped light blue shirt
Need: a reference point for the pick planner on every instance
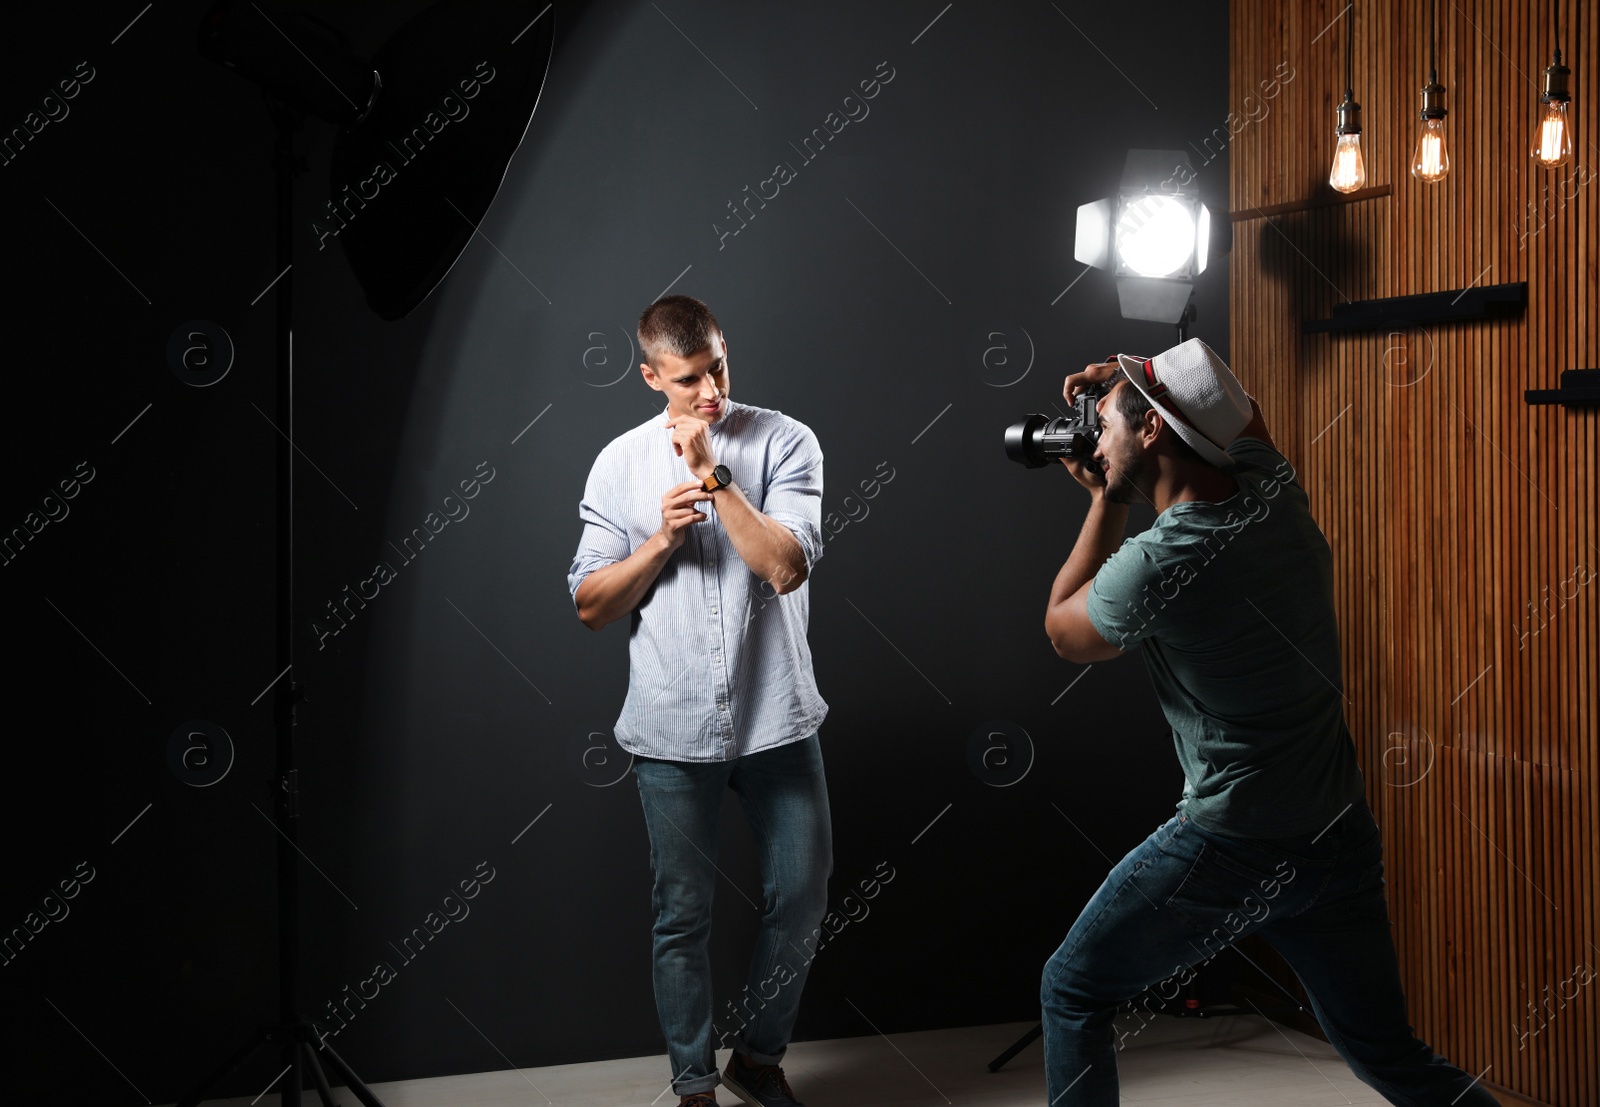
(718, 663)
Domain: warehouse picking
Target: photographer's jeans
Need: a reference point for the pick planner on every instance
(1183, 895)
(785, 799)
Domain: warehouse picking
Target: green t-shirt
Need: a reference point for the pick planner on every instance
(1233, 604)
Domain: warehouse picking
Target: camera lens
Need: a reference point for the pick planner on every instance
(1024, 442)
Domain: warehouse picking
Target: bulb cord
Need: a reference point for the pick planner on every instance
(1433, 43)
(1349, 37)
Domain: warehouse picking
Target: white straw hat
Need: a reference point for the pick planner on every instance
(1197, 394)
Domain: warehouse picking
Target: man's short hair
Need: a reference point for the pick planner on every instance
(1131, 404)
(678, 325)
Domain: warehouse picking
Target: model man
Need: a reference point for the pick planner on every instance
(720, 688)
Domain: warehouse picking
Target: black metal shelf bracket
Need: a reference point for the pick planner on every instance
(1579, 387)
(1465, 305)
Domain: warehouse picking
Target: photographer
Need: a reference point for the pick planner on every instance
(1230, 596)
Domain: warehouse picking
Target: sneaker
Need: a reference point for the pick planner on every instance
(758, 1085)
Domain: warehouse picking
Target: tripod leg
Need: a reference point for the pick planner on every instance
(352, 1082)
(1017, 1047)
(223, 1071)
(318, 1075)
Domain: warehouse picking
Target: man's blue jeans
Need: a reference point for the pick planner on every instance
(1185, 895)
(785, 799)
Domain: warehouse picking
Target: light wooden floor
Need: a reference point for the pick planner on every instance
(1233, 1062)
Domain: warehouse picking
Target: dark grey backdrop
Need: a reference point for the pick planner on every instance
(903, 296)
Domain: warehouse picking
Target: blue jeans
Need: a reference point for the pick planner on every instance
(785, 799)
(1184, 895)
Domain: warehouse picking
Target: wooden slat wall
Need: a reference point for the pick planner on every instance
(1451, 505)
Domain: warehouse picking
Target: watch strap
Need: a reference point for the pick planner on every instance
(715, 480)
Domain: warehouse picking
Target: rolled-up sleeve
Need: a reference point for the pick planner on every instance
(604, 540)
(793, 495)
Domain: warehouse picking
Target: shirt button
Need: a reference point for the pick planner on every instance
(713, 611)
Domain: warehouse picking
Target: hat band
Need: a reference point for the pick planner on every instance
(1158, 392)
(1155, 388)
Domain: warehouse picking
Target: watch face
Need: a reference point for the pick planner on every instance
(722, 475)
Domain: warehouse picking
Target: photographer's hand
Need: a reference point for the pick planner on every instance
(1086, 474)
(1082, 469)
(1098, 373)
(1066, 618)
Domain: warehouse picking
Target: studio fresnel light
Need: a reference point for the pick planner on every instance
(1154, 236)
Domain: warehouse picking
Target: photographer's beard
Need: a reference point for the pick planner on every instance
(1123, 476)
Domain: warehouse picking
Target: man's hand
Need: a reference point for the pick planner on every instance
(1086, 474)
(678, 512)
(1098, 373)
(691, 440)
(1082, 471)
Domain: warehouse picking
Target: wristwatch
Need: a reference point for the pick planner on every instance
(720, 478)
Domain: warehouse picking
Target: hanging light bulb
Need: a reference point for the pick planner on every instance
(1552, 147)
(1430, 161)
(1349, 168)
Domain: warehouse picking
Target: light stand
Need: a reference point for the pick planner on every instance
(307, 68)
(292, 1034)
(1190, 313)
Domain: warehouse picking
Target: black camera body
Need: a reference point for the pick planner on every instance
(1039, 439)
